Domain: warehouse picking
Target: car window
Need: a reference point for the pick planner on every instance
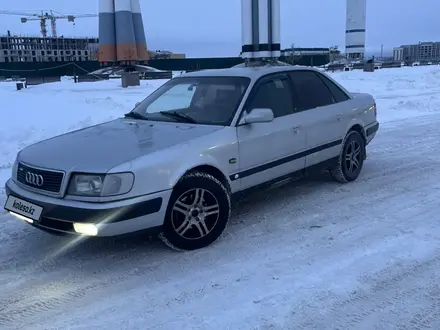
(205, 100)
(275, 94)
(338, 93)
(177, 97)
(310, 90)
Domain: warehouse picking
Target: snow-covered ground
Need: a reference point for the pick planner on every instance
(312, 255)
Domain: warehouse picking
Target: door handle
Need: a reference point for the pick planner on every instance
(296, 129)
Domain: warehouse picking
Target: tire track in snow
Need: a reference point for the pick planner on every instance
(429, 316)
(317, 304)
(36, 300)
(414, 95)
(11, 314)
(381, 294)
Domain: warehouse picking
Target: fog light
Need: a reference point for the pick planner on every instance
(88, 229)
(19, 216)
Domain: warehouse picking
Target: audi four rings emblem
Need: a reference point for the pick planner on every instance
(34, 179)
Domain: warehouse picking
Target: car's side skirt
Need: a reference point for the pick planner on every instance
(285, 179)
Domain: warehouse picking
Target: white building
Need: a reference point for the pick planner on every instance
(355, 29)
(423, 51)
(398, 54)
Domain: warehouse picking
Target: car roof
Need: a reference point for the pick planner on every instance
(250, 72)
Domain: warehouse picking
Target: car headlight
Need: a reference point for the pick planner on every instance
(15, 168)
(97, 185)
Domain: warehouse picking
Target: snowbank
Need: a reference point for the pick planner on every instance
(400, 92)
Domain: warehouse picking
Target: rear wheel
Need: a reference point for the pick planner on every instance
(351, 158)
(197, 213)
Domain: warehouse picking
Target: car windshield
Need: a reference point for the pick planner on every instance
(201, 100)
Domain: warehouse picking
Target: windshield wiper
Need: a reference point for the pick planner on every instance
(135, 115)
(179, 115)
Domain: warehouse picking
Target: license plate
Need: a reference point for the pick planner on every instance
(23, 208)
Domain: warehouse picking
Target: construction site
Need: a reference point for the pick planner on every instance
(52, 47)
(46, 48)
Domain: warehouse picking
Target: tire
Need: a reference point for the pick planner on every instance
(351, 159)
(187, 225)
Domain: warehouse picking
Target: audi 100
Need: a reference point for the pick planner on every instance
(172, 165)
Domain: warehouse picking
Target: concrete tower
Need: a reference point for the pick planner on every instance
(355, 29)
(121, 32)
(139, 32)
(107, 36)
(260, 29)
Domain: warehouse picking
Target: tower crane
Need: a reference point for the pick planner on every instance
(46, 16)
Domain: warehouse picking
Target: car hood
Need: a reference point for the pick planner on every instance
(101, 147)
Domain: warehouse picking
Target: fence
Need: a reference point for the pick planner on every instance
(90, 78)
(47, 69)
(383, 65)
(30, 81)
(150, 75)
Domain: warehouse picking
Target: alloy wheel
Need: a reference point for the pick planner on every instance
(353, 157)
(195, 213)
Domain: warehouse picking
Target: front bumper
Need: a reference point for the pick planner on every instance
(110, 218)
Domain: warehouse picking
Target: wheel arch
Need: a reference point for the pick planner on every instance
(211, 170)
(358, 128)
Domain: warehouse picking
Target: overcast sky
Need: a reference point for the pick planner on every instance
(204, 28)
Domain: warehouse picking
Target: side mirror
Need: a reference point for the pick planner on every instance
(262, 115)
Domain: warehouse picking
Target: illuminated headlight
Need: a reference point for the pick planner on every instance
(100, 185)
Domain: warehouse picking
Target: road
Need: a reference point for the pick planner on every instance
(311, 255)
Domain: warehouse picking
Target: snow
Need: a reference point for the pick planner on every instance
(312, 255)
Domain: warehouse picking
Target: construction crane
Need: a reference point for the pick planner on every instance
(46, 16)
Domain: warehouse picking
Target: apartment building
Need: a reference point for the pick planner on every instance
(423, 51)
(38, 49)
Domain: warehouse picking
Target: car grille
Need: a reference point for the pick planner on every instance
(40, 179)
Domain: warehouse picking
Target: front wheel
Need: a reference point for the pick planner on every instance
(197, 213)
(351, 158)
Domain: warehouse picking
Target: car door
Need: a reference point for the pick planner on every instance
(270, 150)
(341, 101)
(323, 117)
